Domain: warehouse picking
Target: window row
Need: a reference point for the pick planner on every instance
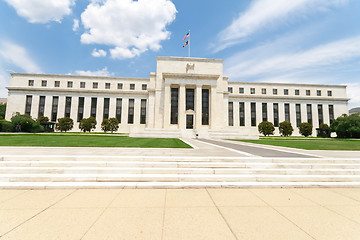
(93, 108)
(275, 109)
(95, 85)
(275, 91)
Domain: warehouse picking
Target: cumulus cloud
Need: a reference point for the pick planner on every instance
(265, 13)
(128, 27)
(102, 72)
(76, 25)
(353, 90)
(98, 53)
(42, 11)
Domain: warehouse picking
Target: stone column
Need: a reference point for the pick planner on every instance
(35, 106)
(87, 106)
(61, 107)
(198, 106)
(213, 115)
(112, 107)
(182, 100)
(247, 114)
(150, 110)
(137, 105)
(167, 106)
(48, 106)
(74, 108)
(236, 114)
(99, 113)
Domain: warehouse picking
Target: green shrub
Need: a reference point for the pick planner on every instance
(2, 110)
(305, 129)
(6, 126)
(105, 126)
(111, 124)
(285, 129)
(42, 119)
(266, 128)
(347, 126)
(26, 123)
(87, 124)
(64, 124)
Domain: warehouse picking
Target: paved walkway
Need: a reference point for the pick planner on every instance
(181, 214)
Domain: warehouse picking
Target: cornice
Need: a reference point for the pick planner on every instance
(289, 98)
(191, 59)
(191, 75)
(286, 84)
(76, 76)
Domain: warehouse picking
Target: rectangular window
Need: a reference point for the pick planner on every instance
(263, 91)
(31, 83)
(54, 108)
(131, 111)
(230, 89)
(57, 84)
(67, 106)
(320, 114)
(144, 87)
(43, 83)
(120, 86)
(298, 114)
(118, 109)
(95, 85)
(190, 99)
(252, 90)
(309, 113)
(143, 112)
(318, 92)
(307, 92)
(329, 93)
(28, 104)
(41, 106)
(231, 114)
(174, 105)
(107, 85)
(331, 113)
(297, 92)
(82, 84)
(241, 90)
(69, 84)
(287, 112)
(106, 108)
(276, 114)
(132, 86)
(264, 111)
(286, 91)
(93, 107)
(253, 114)
(205, 107)
(242, 113)
(275, 91)
(81, 109)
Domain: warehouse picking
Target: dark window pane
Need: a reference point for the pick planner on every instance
(253, 114)
(190, 99)
(205, 107)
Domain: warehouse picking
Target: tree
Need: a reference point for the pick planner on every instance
(305, 129)
(2, 110)
(285, 129)
(26, 123)
(64, 124)
(266, 128)
(42, 120)
(6, 126)
(87, 124)
(114, 124)
(346, 126)
(105, 126)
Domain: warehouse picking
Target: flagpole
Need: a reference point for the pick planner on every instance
(189, 43)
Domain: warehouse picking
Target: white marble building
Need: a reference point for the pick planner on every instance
(184, 97)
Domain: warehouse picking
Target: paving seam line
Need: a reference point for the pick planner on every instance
(190, 144)
(230, 149)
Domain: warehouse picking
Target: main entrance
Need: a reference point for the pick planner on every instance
(189, 121)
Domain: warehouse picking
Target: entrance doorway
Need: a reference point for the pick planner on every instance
(189, 121)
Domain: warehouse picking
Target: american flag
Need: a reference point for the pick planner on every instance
(186, 36)
(186, 43)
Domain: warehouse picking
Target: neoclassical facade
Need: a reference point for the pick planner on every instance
(184, 97)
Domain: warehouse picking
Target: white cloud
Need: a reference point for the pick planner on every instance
(98, 53)
(129, 27)
(42, 11)
(265, 13)
(353, 90)
(76, 25)
(102, 72)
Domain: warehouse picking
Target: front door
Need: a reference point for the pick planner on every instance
(189, 121)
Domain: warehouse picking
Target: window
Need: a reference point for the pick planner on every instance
(54, 108)
(41, 106)
(298, 115)
(264, 111)
(131, 111)
(107, 85)
(174, 105)
(252, 90)
(329, 93)
(263, 91)
(241, 90)
(93, 107)
(275, 91)
(297, 92)
(242, 113)
(331, 113)
(309, 113)
(189, 99)
(231, 114)
(205, 107)
(106, 108)
(307, 92)
(57, 84)
(120, 86)
(69, 84)
(143, 111)
(82, 84)
(31, 83)
(43, 83)
(276, 114)
(320, 114)
(144, 87)
(287, 112)
(318, 92)
(118, 109)
(95, 85)
(81, 109)
(230, 90)
(286, 91)
(67, 106)
(28, 105)
(132, 86)
(253, 114)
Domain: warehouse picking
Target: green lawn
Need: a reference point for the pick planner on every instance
(59, 140)
(309, 143)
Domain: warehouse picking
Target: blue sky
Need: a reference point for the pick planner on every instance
(297, 41)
